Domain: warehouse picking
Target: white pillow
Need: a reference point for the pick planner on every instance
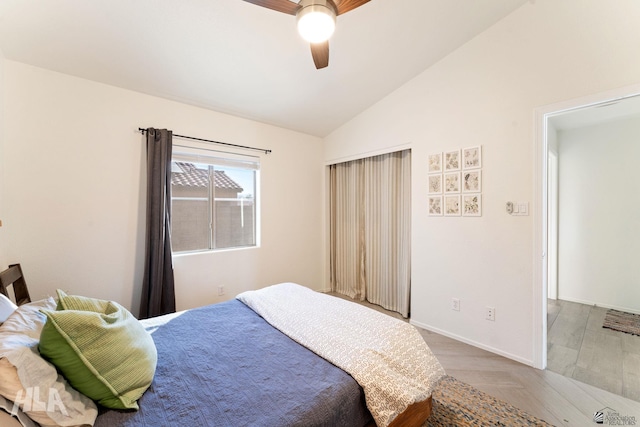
(6, 308)
(22, 370)
(18, 418)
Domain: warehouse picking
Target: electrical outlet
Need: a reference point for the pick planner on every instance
(220, 290)
(455, 304)
(491, 314)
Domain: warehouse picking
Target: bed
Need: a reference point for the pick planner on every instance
(255, 361)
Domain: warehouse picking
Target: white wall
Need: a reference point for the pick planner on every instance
(3, 257)
(599, 205)
(485, 93)
(74, 193)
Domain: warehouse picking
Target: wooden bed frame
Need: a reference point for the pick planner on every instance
(13, 276)
(415, 415)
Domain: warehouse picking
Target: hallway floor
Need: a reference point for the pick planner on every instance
(580, 348)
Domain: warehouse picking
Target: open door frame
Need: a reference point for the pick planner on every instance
(540, 207)
(552, 225)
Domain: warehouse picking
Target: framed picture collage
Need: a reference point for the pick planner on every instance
(455, 182)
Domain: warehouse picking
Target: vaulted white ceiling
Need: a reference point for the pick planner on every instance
(235, 57)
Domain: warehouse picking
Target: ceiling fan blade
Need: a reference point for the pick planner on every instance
(345, 6)
(320, 53)
(284, 6)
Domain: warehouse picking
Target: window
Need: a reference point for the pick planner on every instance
(213, 202)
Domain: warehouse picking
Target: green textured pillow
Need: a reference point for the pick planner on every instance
(100, 348)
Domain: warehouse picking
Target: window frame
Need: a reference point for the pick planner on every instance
(221, 160)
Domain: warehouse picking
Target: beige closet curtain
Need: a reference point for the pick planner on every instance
(370, 230)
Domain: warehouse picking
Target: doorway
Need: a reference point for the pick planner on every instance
(586, 111)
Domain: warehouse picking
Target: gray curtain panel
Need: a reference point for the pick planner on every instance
(158, 293)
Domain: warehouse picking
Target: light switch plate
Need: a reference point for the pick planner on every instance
(523, 208)
(518, 208)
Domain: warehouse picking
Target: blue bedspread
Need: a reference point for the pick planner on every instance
(223, 365)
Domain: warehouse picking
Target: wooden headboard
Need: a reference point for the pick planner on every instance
(13, 276)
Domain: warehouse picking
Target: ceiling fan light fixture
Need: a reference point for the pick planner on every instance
(316, 20)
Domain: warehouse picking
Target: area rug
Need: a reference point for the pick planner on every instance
(458, 404)
(624, 322)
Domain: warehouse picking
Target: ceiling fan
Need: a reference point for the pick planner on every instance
(316, 21)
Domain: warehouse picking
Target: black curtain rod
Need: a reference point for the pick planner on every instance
(142, 131)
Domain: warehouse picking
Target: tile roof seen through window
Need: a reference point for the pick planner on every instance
(190, 176)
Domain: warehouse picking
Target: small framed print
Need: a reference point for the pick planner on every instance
(435, 205)
(435, 163)
(472, 205)
(452, 182)
(452, 205)
(472, 181)
(435, 184)
(452, 160)
(472, 157)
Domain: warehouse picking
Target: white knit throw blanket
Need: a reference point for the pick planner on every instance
(386, 356)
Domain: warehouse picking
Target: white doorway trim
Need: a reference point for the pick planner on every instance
(539, 211)
(552, 226)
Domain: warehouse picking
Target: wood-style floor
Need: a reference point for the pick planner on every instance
(559, 400)
(580, 348)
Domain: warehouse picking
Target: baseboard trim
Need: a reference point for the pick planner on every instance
(614, 307)
(474, 343)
